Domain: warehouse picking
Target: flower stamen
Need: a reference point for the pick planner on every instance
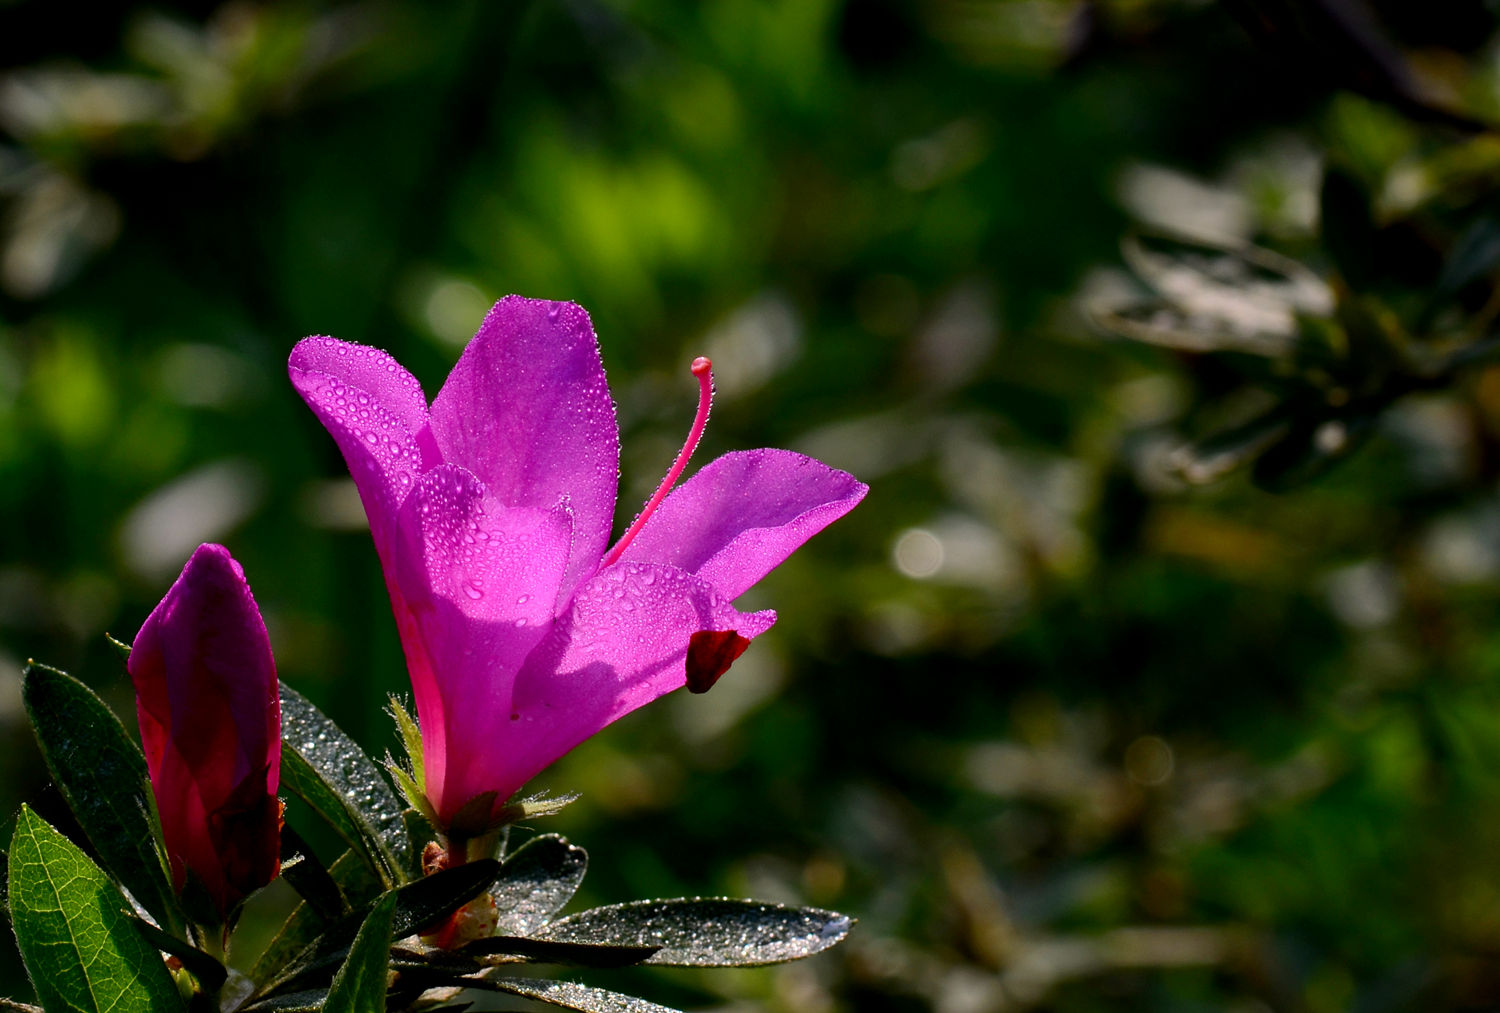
(702, 368)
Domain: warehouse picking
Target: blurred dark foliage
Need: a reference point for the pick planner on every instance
(1157, 672)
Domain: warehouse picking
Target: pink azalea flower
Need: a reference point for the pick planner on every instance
(491, 512)
(210, 716)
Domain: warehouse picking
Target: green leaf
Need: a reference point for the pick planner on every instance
(211, 974)
(1310, 449)
(1474, 255)
(304, 924)
(535, 881)
(121, 648)
(551, 951)
(313, 882)
(1215, 297)
(323, 767)
(1221, 453)
(102, 773)
(359, 985)
(80, 948)
(417, 905)
(1348, 225)
(569, 995)
(707, 932)
(309, 1001)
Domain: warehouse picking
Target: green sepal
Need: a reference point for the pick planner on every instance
(360, 982)
(74, 933)
(411, 742)
(323, 767)
(533, 806)
(409, 787)
(102, 773)
(482, 825)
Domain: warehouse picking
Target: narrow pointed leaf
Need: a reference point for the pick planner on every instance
(570, 995)
(102, 773)
(1475, 254)
(78, 943)
(206, 968)
(308, 1001)
(707, 932)
(550, 951)
(425, 901)
(1311, 449)
(309, 877)
(1348, 227)
(417, 905)
(1214, 457)
(121, 648)
(360, 983)
(323, 767)
(536, 881)
(304, 924)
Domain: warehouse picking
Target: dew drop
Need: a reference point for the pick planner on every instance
(473, 590)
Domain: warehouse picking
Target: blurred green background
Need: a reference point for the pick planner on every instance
(1073, 713)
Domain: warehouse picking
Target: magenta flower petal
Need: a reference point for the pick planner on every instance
(376, 412)
(479, 580)
(491, 513)
(622, 643)
(742, 514)
(210, 717)
(527, 410)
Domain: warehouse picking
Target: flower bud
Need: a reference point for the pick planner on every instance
(210, 717)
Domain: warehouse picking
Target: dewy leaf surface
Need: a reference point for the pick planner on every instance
(304, 924)
(359, 985)
(551, 951)
(707, 932)
(82, 952)
(571, 995)
(102, 773)
(417, 904)
(537, 879)
(325, 768)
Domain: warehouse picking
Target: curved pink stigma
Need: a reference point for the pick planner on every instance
(703, 370)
